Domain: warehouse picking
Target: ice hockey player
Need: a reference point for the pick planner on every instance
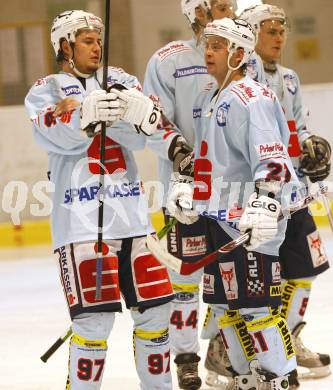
(176, 73)
(241, 137)
(63, 107)
(302, 255)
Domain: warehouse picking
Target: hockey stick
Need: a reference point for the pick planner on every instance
(99, 261)
(328, 210)
(185, 268)
(165, 230)
(56, 345)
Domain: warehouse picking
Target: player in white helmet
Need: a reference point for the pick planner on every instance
(302, 254)
(177, 73)
(63, 107)
(241, 135)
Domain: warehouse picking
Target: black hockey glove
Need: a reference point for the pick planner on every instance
(315, 161)
(182, 157)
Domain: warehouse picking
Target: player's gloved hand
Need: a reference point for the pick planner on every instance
(260, 217)
(140, 110)
(100, 106)
(181, 154)
(180, 201)
(315, 161)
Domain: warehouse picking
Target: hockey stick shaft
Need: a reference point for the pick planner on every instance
(185, 268)
(56, 345)
(99, 261)
(165, 230)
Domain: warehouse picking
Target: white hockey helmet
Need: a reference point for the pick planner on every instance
(189, 6)
(239, 34)
(259, 13)
(68, 23)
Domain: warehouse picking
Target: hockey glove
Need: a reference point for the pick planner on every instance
(315, 161)
(180, 201)
(100, 106)
(260, 217)
(140, 110)
(182, 157)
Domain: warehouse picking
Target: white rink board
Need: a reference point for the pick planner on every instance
(33, 316)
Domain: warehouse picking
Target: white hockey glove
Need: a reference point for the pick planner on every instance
(260, 217)
(140, 110)
(100, 106)
(180, 202)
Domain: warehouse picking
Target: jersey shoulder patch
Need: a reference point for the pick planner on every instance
(244, 92)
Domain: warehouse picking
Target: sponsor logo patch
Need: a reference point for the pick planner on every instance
(275, 291)
(286, 298)
(255, 277)
(194, 246)
(276, 272)
(172, 241)
(71, 90)
(286, 337)
(244, 93)
(271, 150)
(208, 284)
(189, 71)
(84, 194)
(171, 49)
(184, 296)
(317, 251)
(67, 278)
(245, 340)
(228, 274)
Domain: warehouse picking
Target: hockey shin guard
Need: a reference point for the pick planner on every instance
(271, 338)
(235, 338)
(88, 348)
(152, 348)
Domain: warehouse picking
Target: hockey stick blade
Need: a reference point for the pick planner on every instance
(185, 268)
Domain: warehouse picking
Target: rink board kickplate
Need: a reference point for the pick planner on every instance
(37, 232)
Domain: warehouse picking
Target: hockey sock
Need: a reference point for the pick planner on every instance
(184, 319)
(152, 348)
(209, 329)
(88, 348)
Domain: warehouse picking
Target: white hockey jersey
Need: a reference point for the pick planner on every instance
(285, 83)
(241, 137)
(74, 163)
(176, 74)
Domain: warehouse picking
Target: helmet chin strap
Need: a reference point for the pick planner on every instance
(230, 68)
(76, 71)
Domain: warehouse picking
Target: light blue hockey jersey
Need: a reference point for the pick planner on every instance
(74, 163)
(176, 74)
(285, 83)
(241, 137)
